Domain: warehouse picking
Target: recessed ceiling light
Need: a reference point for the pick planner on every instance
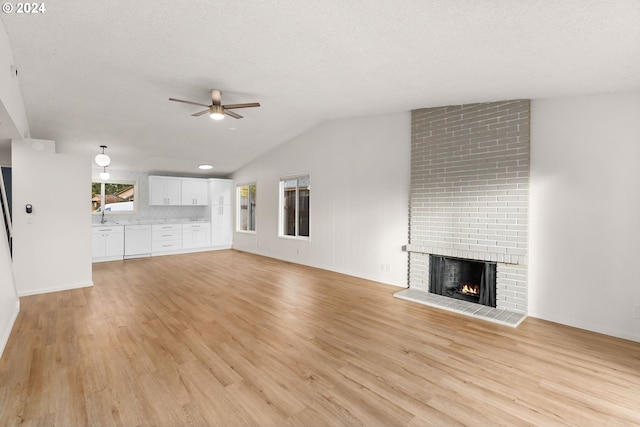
(205, 167)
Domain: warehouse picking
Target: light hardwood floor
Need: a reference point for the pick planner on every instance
(228, 338)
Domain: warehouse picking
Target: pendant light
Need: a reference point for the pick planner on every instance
(102, 159)
(104, 175)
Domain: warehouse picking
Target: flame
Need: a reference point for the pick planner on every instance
(471, 289)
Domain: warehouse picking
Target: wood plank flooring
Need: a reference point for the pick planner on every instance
(232, 339)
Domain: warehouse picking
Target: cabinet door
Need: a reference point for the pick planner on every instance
(194, 192)
(188, 239)
(173, 191)
(164, 191)
(114, 244)
(97, 245)
(156, 191)
(221, 192)
(200, 192)
(221, 226)
(202, 237)
(187, 192)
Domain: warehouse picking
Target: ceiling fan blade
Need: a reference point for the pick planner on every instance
(250, 104)
(201, 113)
(188, 102)
(216, 97)
(232, 114)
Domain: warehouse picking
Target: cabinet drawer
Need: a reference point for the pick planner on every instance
(166, 227)
(197, 226)
(165, 235)
(166, 245)
(108, 229)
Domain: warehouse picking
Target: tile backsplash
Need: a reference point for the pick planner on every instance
(144, 211)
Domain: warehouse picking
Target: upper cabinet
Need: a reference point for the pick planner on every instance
(165, 190)
(176, 191)
(221, 191)
(194, 191)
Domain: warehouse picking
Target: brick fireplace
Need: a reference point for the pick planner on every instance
(470, 196)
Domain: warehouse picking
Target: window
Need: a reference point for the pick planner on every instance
(114, 197)
(294, 206)
(246, 197)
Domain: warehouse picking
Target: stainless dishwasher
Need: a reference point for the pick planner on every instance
(137, 241)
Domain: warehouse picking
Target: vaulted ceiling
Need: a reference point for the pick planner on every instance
(101, 73)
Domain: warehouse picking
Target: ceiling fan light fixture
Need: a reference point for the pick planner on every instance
(217, 112)
(102, 159)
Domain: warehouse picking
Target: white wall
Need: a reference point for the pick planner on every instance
(53, 251)
(13, 117)
(10, 95)
(360, 172)
(9, 302)
(585, 205)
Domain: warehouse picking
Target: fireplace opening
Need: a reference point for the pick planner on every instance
(463, 279)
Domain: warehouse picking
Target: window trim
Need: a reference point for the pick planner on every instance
(238, 209)
(118, 181)
(281, 203)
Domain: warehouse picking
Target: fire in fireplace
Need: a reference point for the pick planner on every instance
(470, 289)
(468, 280)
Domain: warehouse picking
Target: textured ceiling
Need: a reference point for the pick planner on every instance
(101, 73)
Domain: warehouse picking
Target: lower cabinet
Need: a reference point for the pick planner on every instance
(166, 238)
(196, 235)
(107, 243)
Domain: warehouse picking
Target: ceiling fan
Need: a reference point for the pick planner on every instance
(216, 110)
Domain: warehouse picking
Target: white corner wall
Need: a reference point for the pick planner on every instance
(9, 302)
(360, 176)
(51, 246)
(585, 204)
(14, 118)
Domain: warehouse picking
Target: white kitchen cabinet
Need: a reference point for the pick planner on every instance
(166, 238)
(221, 190)
(221, 226)
(221, 220)
(165, 190)
(197, 235)
(107, 243)
(194, 192)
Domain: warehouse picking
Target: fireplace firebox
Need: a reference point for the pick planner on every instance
(463, 279)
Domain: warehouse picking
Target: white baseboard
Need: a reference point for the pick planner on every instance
(587, 326)
(56, 289)
(7, 332)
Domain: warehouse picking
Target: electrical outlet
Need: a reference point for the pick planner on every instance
(636, 314)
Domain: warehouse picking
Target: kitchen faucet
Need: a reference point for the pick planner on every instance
(103, 220)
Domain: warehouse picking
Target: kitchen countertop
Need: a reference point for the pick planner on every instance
(151, 222)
